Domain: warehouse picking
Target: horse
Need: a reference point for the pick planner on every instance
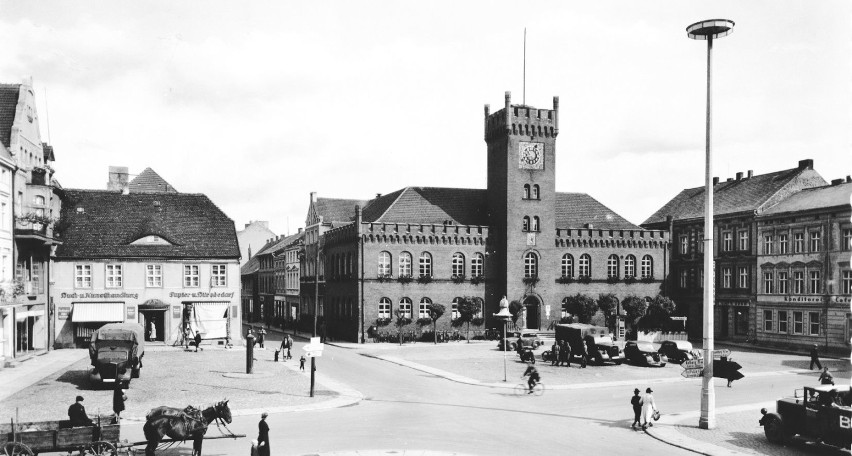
(182, 424)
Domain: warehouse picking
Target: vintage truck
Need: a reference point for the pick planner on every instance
(821, 413)
(599, 342)
(116, 352)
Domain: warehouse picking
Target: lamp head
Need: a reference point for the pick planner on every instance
(710, 29)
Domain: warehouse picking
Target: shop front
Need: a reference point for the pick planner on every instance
(23, 330)
(155, 319)
(87, 317)
(212, 319)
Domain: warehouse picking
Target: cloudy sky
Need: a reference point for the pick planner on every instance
(257, 103)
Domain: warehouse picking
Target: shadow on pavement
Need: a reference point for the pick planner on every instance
(80, 379)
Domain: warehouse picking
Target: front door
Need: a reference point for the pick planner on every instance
(533, 312)
(154, 323)
(723, 322)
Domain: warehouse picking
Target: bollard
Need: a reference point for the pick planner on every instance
(250, 353)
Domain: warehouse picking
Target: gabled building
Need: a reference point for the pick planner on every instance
(166, 260)
(737, 204)
(518, 238)
(804, 282)
(252, 238)
(28, 217)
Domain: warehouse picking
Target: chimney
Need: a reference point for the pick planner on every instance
(313, 197)
(740, 175)
(848, 178)
(806, 164)
(117, 178)
(715, 180)
(836, 181)
(378, 195)
(750, 173)
(300, 231)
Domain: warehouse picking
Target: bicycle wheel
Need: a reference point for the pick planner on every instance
(521, 389)
(538, 389)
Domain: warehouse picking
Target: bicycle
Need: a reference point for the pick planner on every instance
(523, 389)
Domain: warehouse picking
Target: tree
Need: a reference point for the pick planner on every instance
(662, 305)
(467, 308)
(515, 308)
(401, 320)
(608, 303)
(583, 306)
(435, 312)
(658, 316)
(634, 307)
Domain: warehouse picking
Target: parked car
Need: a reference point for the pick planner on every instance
(819, 413)
(528, 337)
(676, 351)
(643, 354)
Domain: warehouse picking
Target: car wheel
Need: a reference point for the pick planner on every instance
(774, 430)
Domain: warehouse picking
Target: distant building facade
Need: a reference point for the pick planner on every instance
(738, 202)
(252, 238)
(804, 285)
(28, 216)
(166, 260)
(518, 238)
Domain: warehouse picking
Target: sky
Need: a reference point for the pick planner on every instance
(256, 104)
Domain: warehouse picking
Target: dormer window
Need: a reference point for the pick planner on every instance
(151, 239)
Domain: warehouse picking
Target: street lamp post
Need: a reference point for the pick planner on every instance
(504, 315)
(708, 30)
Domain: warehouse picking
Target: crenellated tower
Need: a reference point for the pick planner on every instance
(521, 143)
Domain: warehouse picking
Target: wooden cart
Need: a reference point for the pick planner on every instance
(28, 439)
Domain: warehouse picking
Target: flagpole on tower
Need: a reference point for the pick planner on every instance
(524, 98)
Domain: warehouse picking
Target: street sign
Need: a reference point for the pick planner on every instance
(314, 348)
(693, 364)
(725, 353)
(691, 373)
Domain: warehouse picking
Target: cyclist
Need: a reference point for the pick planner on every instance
(534, 377)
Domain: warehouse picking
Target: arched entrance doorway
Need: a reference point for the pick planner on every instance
(532, 306)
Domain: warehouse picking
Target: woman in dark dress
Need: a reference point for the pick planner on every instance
(263, 436)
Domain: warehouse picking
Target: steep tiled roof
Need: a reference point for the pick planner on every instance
(282, 242)
(251, 266)
(150, 182)
(337, 210)
(103, 224)
(8, 106)
(731, 197)
(575, 210)
(814, 198)
(463, 206)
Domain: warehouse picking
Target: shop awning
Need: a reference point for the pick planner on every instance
(97, 312)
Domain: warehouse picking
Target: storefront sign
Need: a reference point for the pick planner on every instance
(131, 313)
(841, 299)
(803, 299)
(62, 312)
(175, 311)
(99, 295)
(203, 294)
(733, 303)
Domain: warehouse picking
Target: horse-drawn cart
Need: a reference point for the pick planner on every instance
(58, 436)
(103, 438)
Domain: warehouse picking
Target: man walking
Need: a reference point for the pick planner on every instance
(636, 402)
(555, 353)
(261, 335)
(815, 358)
(289, 346)
(584, 354)
(565, 354)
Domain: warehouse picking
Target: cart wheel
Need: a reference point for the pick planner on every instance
(102, 448)
(16, 449)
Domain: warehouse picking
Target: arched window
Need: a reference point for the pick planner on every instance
(480, 305)
(39, 200)
(526, 191)
(384, 264)
(534, 226)
(384, 308)
(530, 265)
(568, 266)
(458, 265)
(535, 195)
(630, 266)
(647, 267)
(405, 307)
(477, 265)
(526, 223)
(454, 309)
(425, 264)
(565, 312)
(405, 264)
(584, 266)
(612, 267)
(423, 311)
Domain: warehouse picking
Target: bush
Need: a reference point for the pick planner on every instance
(581, 305)
(423, 321)
(424, 279)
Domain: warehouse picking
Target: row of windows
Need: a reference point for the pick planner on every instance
(531, 191)
(531, 224)
(425, 265)
(805, 323)
(781, 243)
(614, 266)
(405, 308)
(114, 275)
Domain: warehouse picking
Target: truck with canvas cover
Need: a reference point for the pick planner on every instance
(116, 352)
(599, 343)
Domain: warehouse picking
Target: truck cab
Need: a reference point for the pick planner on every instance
(116, 352)
(813, 413)
(599, 342)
